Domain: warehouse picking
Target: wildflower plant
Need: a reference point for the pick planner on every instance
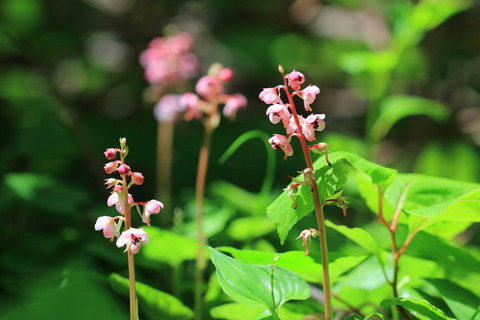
(130, 238)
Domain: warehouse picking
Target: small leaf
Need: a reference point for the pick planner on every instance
(265, 285)
(419, 305)
(155, 303)
(461, 301)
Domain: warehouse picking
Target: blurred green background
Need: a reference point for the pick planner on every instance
(399, 80)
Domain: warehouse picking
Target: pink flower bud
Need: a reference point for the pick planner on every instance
(110, 153)
(295, 79)
(123, 169)
(137, 178)
(108, 225)
(279, 141)
(308, 95)
(190, 102)
(225, 75)
(114, 199)
(269, 96)
(234, 103)
(111, 167)
(111, 182)
(208, 86)
(151, 207)
(132, 239)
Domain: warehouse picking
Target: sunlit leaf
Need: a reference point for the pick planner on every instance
(419, 305)
(248, 228)
(155, 303)
(258, 285)
(236, 311)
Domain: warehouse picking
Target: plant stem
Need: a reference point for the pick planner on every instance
(131, 262)
(318, 207)
(164, 165)
(200, 263)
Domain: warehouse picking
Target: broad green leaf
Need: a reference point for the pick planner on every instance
(368, 276)
(359, 236)
(397, 107)
(419, 305)
(370, 316)
(248, 228)
(155, 303)
(46, 192)
(461, 301)
(166, 247)
(258, 285)
(308, 267)
(236, 311)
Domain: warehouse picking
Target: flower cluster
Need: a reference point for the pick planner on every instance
(210, 91)
(285, 112)
(168, 60)
(120, 197)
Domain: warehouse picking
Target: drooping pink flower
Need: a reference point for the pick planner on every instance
(108, 225)
(151, 207)
(312, 123)
(132, 239)
(137, 178)
(110, 153)
(208, 86)
(225, 75)
(190, 102)
(111, 167)
(123, 169)
(277, 112)
(167, 108)
(269, 96)
(308, 95)
(281, 142)
(306, 235)
(295, 79)
(114, 199)
(234, 102)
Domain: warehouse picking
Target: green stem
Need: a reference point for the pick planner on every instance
(164, 166)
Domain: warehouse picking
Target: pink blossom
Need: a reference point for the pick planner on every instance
(123, 169)
(137, 178)
(167, 107)
(306, 235)
(292, 124)
(111, 167)
(312, 123)
(295, 79)
(111, 182)
(132, 239)
(234, 102)
(114, 199)
(269, 96)
(225, 75)
(151, 207)
(110, 153)
(208, 86)
(279, 141)
(190, 103)
(277, 112)
(308, 95)
(108, 225)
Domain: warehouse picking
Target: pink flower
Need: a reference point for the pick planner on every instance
(108, 225)
(167, 107)
(137, 178)
(225, 75)
(151, 207)
(123, 169)
(312, 123)
(308, 95)
(306, 235)
(132, 239)
(279, 141)
(111, 167)
(269, 96)
(190, 102)
(114, 199)
(110, 153)
(234, 103)
(295, 79)
(291, 127)
(277, 112)
(208, 86)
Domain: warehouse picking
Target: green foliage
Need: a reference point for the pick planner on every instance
(269, 286)
(421, 306)
(153, 302)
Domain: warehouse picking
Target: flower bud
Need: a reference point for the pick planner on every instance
(137, 178)
(110, 153)
(225, 75)
(110, 167)
(123, 169)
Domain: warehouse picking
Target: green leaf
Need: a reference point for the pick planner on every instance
(461, 301)
(166, 247)
(236, 311)
(258, 285)
(397, 107)
(308, 267)
(248, 228)
(155, 303)
(419, 305)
